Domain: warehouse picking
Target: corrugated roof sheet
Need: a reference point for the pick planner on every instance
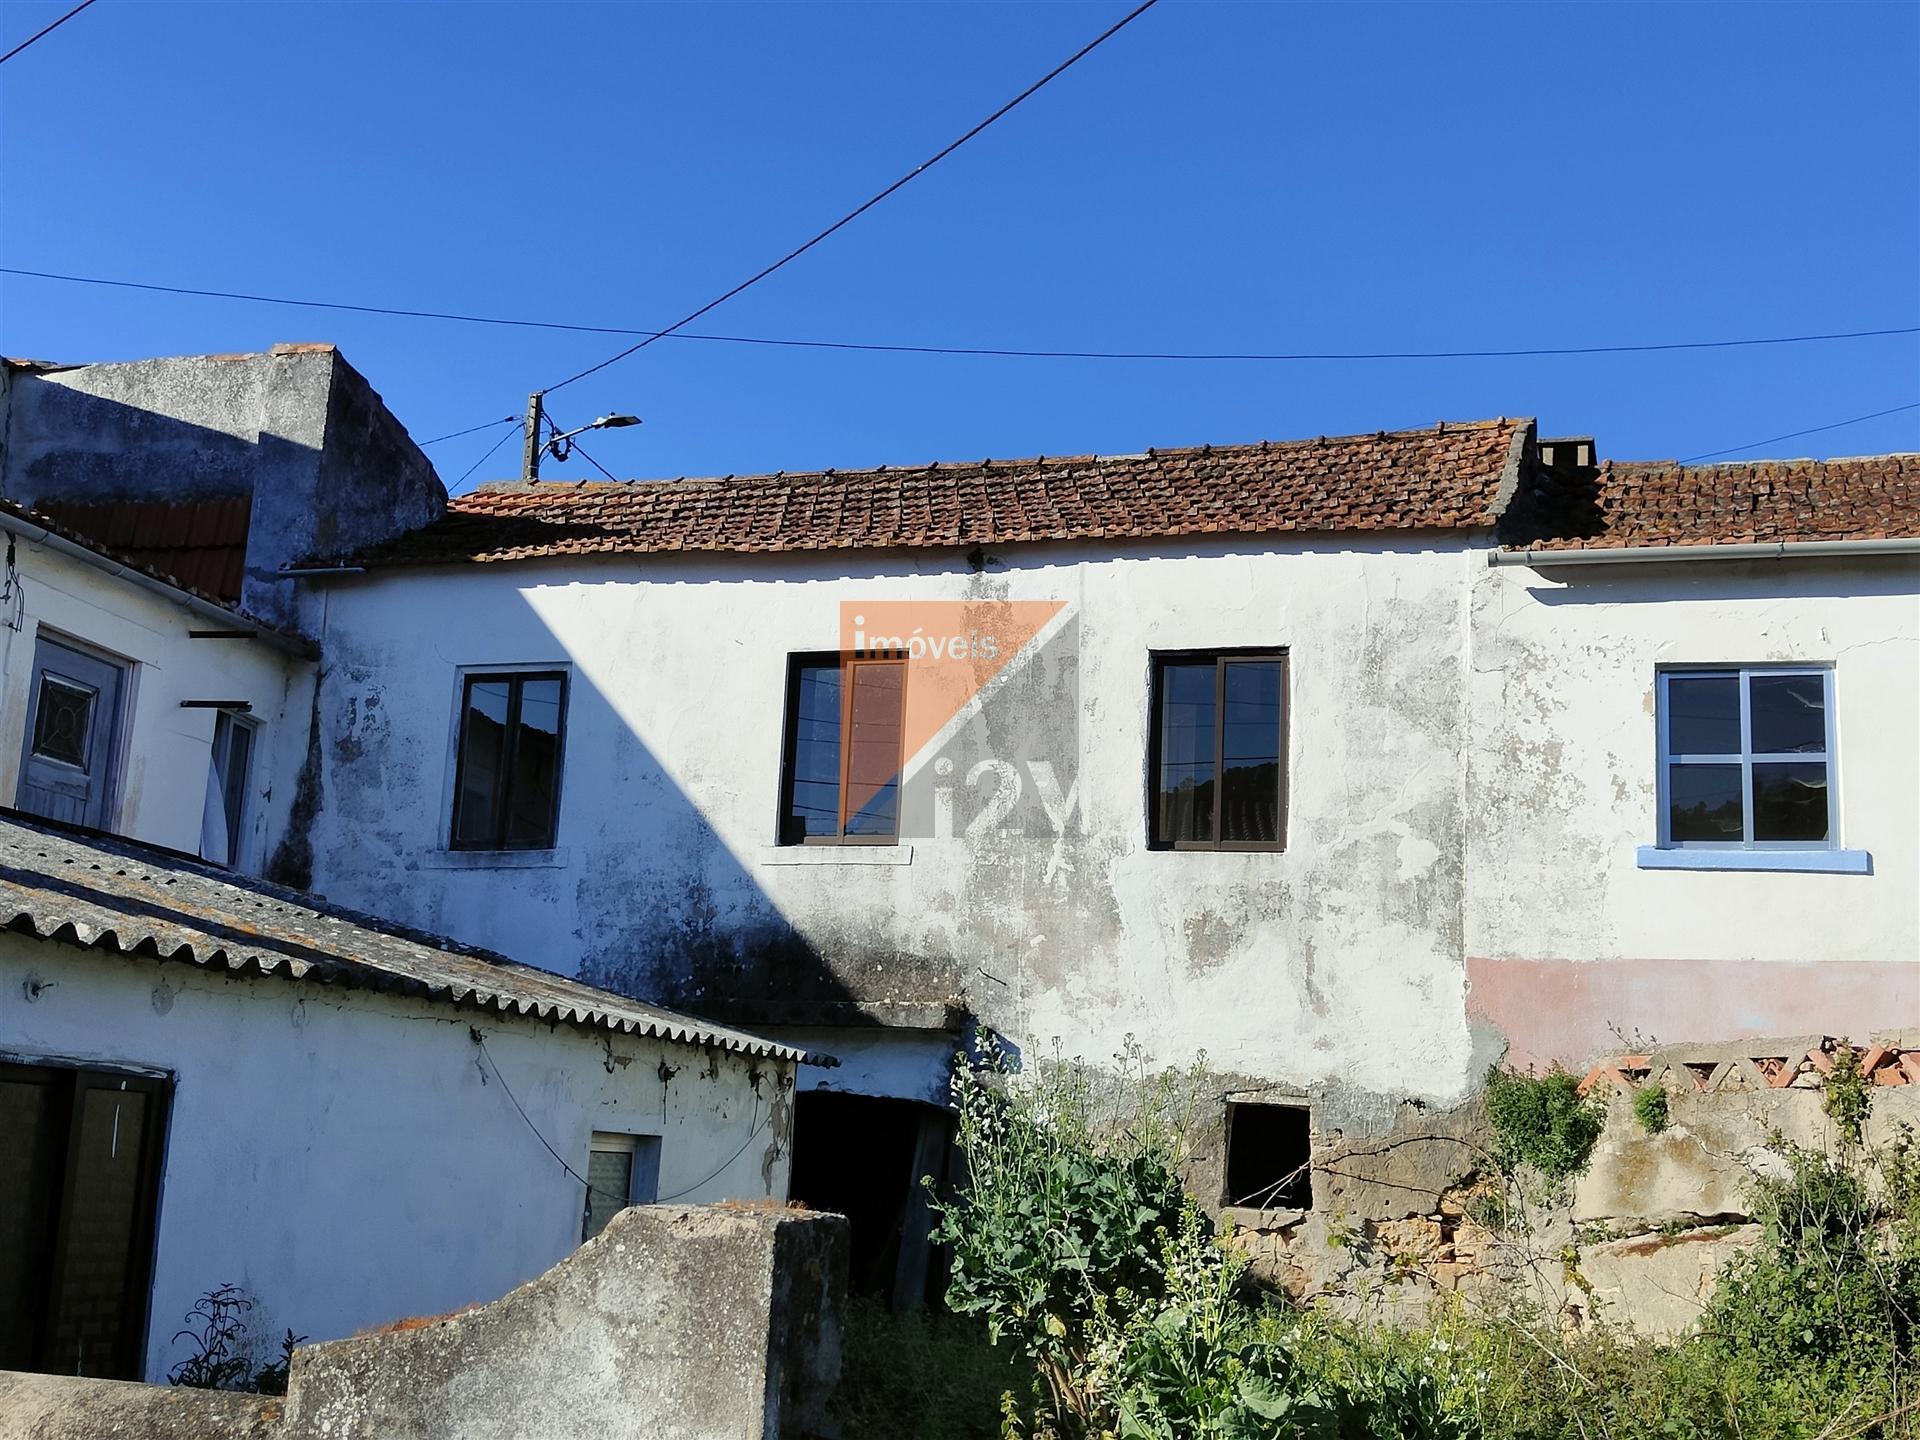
(1448, 477)
(1663, 502)
(132, 899)
(200, 545)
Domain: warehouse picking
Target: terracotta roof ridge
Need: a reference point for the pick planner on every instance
(838, 472)
(1644, 466)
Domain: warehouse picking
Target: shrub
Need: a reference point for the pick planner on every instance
(1544, 1122)
(1848, 1094)
(1650, 1108)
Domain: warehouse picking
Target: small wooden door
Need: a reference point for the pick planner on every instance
(72, 736)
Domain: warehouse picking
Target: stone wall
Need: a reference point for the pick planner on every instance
(677, 1323)
(1637, 1239)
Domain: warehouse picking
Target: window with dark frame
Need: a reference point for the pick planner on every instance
(222, 824)
(507, 777)
(1746, 758)
(79, 1201)
(841, 773)
(1269, 1156)
(1217, 772)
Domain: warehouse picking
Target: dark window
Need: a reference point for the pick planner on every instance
(1269, 1157)
(1219, 747)
(79, 1191)
(842, 770)
(507, 789)
(622, 1170)
(1745, 759)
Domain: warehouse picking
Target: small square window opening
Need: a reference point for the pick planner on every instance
(622, 1170)
(1269, 1156)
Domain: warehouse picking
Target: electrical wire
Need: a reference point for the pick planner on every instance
(861, 209)
(753, 1133)
(1796, 434)
(574, 446)
(455, 435)
(987, 351)
(48, 30)
(521, 425)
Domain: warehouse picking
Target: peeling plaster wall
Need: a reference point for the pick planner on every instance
(349, 1158)
(1565, 936)
(1339, 958)
(167, 751)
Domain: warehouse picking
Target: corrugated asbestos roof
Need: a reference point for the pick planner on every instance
(133, 899)
(1446, 478)
(1662, 502)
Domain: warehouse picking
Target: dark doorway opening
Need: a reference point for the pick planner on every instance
(1269, 1156)
(863, 1157)
(79, 1197)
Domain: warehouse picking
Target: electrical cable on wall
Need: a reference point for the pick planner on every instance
(753, 1132)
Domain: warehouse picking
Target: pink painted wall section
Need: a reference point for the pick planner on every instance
(1562, 1009)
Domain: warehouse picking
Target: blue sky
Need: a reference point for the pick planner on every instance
(1218, 177)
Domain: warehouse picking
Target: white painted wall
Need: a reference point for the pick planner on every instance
(1338, 961)
(1562, 793)
(166, 751)
(350, 1159)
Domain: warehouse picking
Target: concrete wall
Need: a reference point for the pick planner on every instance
(1337, 963)
(166, 750)
(677, 1323)
(1567, 938)
(298, 430)
(351, 1158)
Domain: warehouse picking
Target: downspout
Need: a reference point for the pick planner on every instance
(1654, 554)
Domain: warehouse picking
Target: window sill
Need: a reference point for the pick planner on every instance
(495, 859)
(837, 855)
(1820, 862)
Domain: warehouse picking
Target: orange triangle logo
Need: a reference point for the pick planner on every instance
(930, 659)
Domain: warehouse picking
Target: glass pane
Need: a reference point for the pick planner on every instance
(1703, 715)
(531, 791)
(60, 726)
(1789, 714)
(33, 1122)
(1250, 752)
(875, 713)
(89, 1331)
(813, 801)
(609, 1185)
(1185, 783)
(239, 756)
(1703, 803)
(483, 731)
(1790, 801)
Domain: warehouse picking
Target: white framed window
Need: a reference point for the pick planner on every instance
(223, 819)
(622, 1170)
(1748, 776)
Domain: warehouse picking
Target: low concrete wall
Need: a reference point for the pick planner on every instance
(64, 1407)
(677, 1323)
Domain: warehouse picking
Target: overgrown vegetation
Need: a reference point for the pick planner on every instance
(1650, 1108)
(1544, 1122)
(1119, 1314)
(218, 1359)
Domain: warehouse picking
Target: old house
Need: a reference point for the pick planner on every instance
(210, 1079)
(1356, 763)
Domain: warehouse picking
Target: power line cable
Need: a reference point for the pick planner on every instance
(861, 209)
(48, 30)
(456, 434)
(988, 351)
(454, 488)
(1796, 434)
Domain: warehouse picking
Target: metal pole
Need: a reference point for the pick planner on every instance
(530, 455)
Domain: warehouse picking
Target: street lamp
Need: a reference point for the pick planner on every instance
(560, 444)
